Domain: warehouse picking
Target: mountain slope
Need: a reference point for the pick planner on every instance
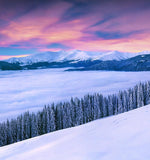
(9, 66)
(138, 63)
(75, 55)
(124, 136)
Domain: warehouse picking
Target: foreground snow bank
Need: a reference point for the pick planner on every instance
(125, 137)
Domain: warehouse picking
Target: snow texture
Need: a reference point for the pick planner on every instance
(121, 137)
(31, 90)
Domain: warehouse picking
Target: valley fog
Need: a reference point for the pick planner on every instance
(31, 90)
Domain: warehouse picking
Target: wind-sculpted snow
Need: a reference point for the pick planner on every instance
(121, 137)
(31, 90)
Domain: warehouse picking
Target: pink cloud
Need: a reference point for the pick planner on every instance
(127, 22)
(49, 49)
(123, 45)
(45, 25)
(31, 25)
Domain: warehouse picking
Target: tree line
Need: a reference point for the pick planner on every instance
(73, 113)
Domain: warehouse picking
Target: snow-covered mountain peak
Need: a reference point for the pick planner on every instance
(51, 57)
(74, 55)
(144, 52)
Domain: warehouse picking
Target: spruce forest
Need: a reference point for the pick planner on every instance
(72, 113)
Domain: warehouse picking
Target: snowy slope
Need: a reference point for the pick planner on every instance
(115, 55)
(73, 55)
(121, 137)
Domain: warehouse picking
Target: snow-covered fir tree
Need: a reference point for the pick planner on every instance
(72, 113)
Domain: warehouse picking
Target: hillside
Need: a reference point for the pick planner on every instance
(124, 136)
(9, 66)
(138, 63)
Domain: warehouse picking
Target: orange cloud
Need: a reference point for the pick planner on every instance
(3, 57)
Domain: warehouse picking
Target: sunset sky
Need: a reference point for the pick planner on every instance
(29, 27)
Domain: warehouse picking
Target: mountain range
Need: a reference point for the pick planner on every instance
(138, 63)
(74, 55)
(82, 61)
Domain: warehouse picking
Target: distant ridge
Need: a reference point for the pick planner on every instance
(110, 61)
(75, 55)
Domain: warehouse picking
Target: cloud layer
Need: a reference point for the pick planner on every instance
(78, 24)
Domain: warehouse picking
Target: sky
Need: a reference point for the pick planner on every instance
(28, 27)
